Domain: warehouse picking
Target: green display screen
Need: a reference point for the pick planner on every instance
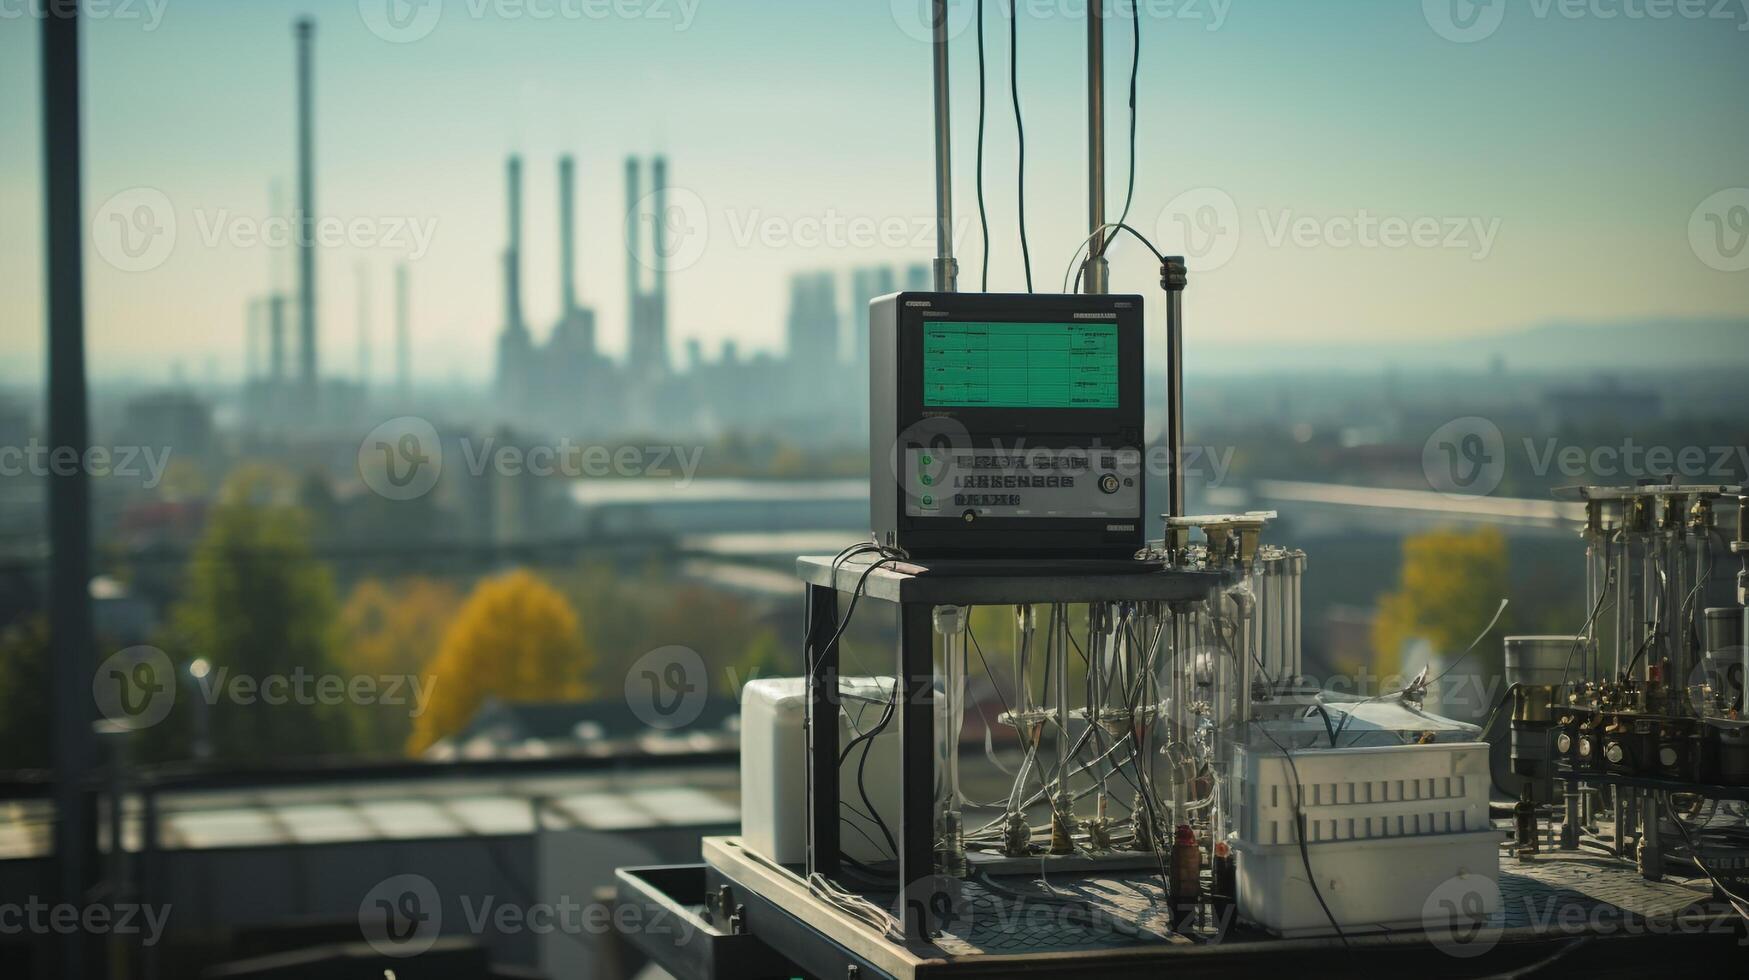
(1020, 365)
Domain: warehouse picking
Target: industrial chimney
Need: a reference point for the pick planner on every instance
(513, 252)
(659, 222)
(567, 236)
(634, 224)
(362, 284)
(305, 31)
(403, 335)
(659, 245)
(276, 338)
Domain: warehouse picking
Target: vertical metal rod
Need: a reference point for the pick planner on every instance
(150, 872)
(1178, 722)
(822, 731)
(1060, 620)
(1175, 282)
(1097, 269)
(1624, 596)
(69, 505)
(946, 268)
(1649, 602)
(916, 715)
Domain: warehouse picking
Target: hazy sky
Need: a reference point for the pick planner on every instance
(1545, 160)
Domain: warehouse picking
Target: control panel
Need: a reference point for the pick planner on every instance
(1006, 424)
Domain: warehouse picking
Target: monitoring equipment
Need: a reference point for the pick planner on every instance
(1006, 425)
(1647, 699)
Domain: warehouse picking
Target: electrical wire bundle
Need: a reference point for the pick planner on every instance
(1106, 233)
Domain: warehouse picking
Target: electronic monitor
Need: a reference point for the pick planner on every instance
(1006, 425)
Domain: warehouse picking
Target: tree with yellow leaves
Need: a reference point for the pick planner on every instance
(393, 629)
(515, 639)
(1450, 588)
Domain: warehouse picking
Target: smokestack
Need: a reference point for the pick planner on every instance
(276, 337)
(403, 334)
(513, 252)
(363, 285)
(659, 236)
(253, 328)
(567, 234)
(634, 226)
(306, 220)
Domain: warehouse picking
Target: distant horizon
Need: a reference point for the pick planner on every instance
(1278, 359)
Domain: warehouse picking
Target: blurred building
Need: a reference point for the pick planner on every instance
(604, 729)
(1605, 404)
(177, 421)
(813, 324)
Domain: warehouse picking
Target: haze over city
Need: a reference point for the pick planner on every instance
(1264, 118)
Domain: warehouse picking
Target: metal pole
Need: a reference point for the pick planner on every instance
(1098, 271)
(1174, 277)
(69, 506)
(305, 30)
(946, 269)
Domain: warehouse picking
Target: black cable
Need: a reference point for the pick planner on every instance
(1116, 227)
(987, 671)
(867, 738)
(853, 825)
(1019, 130)
(1657, 617)
(1584, 632)
(1736, 901)
(983, 215)
(1645, 645)
(1542, 964)
(854, 596)
(838, 634)
(1300, 835)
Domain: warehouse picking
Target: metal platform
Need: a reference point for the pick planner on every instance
(998, 583)
(1585, 912)
(1652, 783)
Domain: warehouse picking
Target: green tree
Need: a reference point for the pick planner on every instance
(24, 706)
(626, 614)
(258, 606)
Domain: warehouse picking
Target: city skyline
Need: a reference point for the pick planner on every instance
(405, 140)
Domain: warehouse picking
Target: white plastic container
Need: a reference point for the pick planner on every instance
(1368, 793)
(1369, 884)
(1389, 831)
(774, 760)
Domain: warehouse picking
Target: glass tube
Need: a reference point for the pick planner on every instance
(950, 622)
(1063, 810)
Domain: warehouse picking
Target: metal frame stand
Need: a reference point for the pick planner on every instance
(917, 590)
